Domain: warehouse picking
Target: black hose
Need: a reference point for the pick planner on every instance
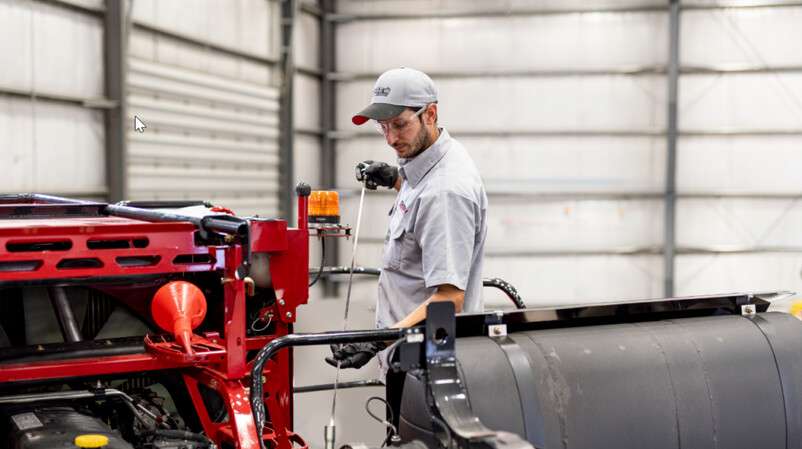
(508, 290)
(498, 283)
(322, 261)
(179, 435)
(330, 271)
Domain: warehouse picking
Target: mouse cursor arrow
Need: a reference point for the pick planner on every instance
(139, 125)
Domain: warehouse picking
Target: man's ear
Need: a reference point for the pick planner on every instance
(430, 116)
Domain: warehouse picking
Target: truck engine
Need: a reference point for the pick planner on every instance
(156, 316)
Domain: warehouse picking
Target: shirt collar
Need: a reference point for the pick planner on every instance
(415, 169)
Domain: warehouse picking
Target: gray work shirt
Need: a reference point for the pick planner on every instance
(436, 234)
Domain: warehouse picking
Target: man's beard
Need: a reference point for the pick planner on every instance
(422, 141)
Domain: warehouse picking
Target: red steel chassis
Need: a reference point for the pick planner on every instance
(220, 361)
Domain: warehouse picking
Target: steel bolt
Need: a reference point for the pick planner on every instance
(281, 302)
(289, 315)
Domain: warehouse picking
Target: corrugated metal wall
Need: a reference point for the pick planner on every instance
(741, 137)
(563, 106)
(51, 68)
(564, 114)
(207, 89)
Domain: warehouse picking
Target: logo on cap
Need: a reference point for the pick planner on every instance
(381, 91)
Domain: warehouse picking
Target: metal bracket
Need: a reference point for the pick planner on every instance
(446, 392)
(748, 310)
(497, 330)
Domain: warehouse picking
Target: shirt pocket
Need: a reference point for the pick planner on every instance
(396, 248)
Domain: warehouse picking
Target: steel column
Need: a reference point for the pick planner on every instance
(115, 73)
(669, 240)
(286, 111)
(328, 146)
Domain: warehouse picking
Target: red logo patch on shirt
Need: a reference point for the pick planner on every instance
(402, 206)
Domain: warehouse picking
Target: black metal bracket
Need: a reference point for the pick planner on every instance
(446, 393)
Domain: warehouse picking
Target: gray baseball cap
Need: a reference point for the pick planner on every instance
(395, 90)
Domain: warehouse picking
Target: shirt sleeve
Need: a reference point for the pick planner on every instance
(445, 229)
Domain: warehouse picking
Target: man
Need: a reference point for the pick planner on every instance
(435, 240)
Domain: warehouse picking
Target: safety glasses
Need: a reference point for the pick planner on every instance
(395, 125)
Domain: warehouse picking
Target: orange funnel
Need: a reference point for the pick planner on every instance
(179, 307)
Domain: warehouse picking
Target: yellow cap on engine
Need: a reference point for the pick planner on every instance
(796, 309)
(91, 441)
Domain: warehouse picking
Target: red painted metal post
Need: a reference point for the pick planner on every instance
(234, 315)
(303, 212)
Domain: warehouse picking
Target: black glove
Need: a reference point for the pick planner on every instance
(375, 174)
(354, 355)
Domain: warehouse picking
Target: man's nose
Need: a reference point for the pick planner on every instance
(391, 137)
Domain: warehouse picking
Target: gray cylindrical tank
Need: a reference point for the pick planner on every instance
(713, 382)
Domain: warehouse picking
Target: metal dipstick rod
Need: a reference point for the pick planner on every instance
(330, 430)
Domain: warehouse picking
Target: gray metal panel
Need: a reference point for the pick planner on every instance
(50, 147)
(207, 137)
(244, 26)
(50, 49)
(708, 273)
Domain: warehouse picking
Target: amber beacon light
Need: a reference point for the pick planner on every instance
(324, 207)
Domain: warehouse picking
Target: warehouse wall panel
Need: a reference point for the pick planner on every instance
(521, 237)
(555, 281)
(517, 228)
(39, 40)
(207, 90)
(737, 38)
(307, 103)
(619, 103)
(740, 164)
(557, 110)
(742, 138)
(97, 5)
(208, 137)
(722, 273)
(568, 41)
(546, 281)
(740, 224)
(306, 41)
(245, 25)
(51, 148)
(45, 146)
(169, 51)
(307, 152)
(482, 6)
(741, 102)
(525, 165)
